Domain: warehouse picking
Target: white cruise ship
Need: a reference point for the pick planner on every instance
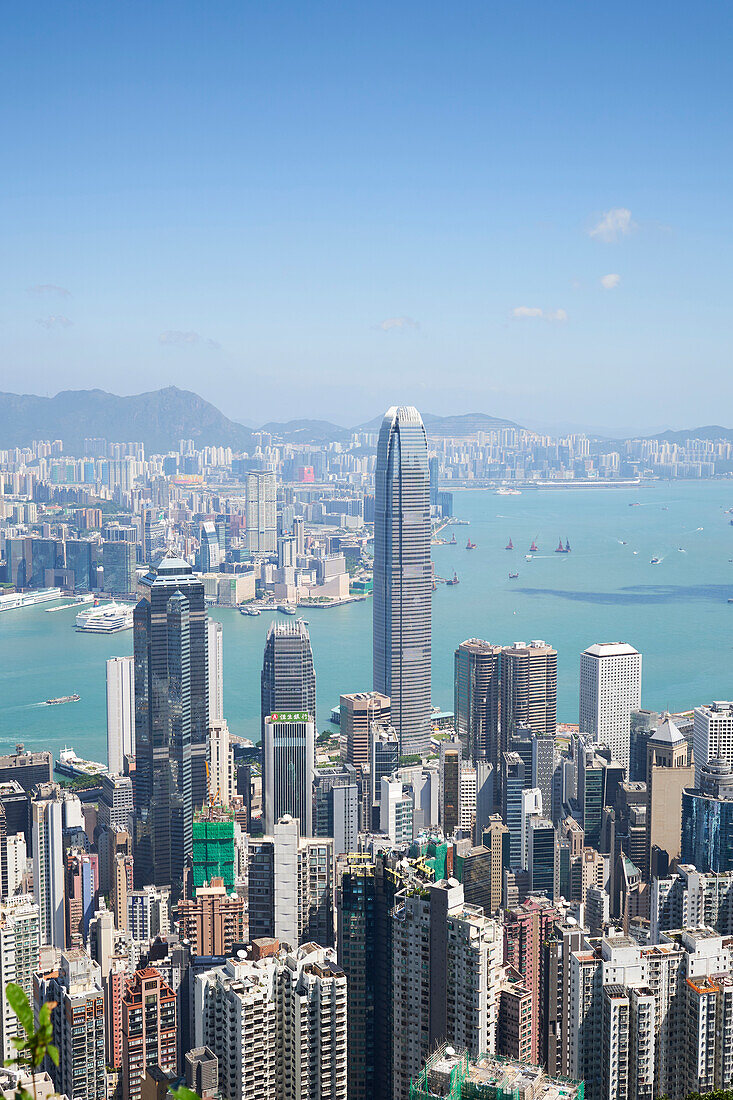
(107, 619)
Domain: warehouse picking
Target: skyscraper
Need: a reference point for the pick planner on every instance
(210, 554)
(476, 698)
(610, 688)
(75, 989)
(48, 866)
(171, 720)
(215, 668)
(120, 710)
(19, 947)
(288, 760)
(118, 561)
(148, 1029)
(402, 576)
(288, 676)
(358, 711)
(261, 533)
(528, 689)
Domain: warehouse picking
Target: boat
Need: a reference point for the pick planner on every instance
(249, 611)
(560, 549)
(15, 600)
(63, 699)
(453, 541)
(73, 766)
(635, 504)
(513, 576)
(656, 561)
(453, 580)
(286, 609)
(470, 545)
(504, 492)
(534, 547)
(509, 545)
(681, 550)
(528, 557)
(107, 619)
(567, 546)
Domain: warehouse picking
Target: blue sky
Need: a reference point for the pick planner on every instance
(319, 209)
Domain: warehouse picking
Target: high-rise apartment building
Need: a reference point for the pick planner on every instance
(512, 787)
(171, 720)
(116, 806)
(528, 689)
(288, 760)
(526, 928)
(610, 689)
(261, 531)
(214, 853)
(215, 669)
(691, 899)
(48, 866)
(20, 943)
(336, 802)
(120, 712)
(291, 886)
(213, 921)
(495, 837)
(476, 680)
(357, 713)
(276, 1022)
(396, 812)
(75, 988)
(385, 759)
(148, 1029)
(712, 735)
(288, 681)
(403, 576)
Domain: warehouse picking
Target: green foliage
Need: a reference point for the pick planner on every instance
(413, 758)
(35, 1046)
(182, 1093)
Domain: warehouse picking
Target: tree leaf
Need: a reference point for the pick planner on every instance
(53, 1053)
(19, 1003)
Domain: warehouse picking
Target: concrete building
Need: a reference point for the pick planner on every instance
(610, 689)
(670, 770)
(476, 682)
(336, 804)
(402, 603)
(288, 758)
(276, 1022)
(20, 943)
(120, 712)
(450, 786)
(384, 760)
(712, 735)
(528, 689)
(467, 798)
(48, 865)
(116, 807)
(212, 921)
(526, 928)
(148, 1029)
(261, 512)
(215, 669)
(75, 987)
(495, 837)
(459, 1075)
(691, 899)
(396, 812)
(358, 712)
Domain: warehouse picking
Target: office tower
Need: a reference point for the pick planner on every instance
(628, 836)
(221, 762)
(118, 563)
(336, 798)
(35, 562)
(531, 807)
(707, 819)
(148, 1029)
(75, 988)
(261, 532)
(590, 792)
(403, 576)
(462, 1077)
(541, 856)
(395, 812)
(171, 720)
(512, 786)
(276, 1022)
(444, 976)
(467, 798)
(210, 552)
(215, 669)
(291, 886)
(212, 922)
(385, 759)
(288, 755)
(154, 535)
(476, 698)
(643, 723)
(48, 866)
(288, 679)
(148, 913)
(495, 837)
(543, 770)
(670, 769)
(120, 712)
(526, 927)
(528, 689)
(358, 713)
(472, 868)
(115, 802)
(20, 943)
(450, 786)
(213, 854)
(485, 776)
(16, 808)
(610, 688)
(712, 735)
(29, 769)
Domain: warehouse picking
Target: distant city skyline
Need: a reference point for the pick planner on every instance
(523, 211)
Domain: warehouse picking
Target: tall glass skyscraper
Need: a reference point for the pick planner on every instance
(288, 677)
(402, 576)
(171, 720)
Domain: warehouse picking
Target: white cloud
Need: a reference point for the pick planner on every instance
(614, 224)
(397, 323)
(55, 321)
(609, 282)
(48, 289)
(176, 338)
(520, 313)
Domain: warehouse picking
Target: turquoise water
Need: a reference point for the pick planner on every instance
(676, 613)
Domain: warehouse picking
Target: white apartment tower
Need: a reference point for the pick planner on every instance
(19, 946)
(610, 688)
(276, 1022)
(120, 712)
(215, 669)
(48, 868)
(261, 532)
(712, 735)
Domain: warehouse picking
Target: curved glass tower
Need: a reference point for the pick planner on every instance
(403, 576)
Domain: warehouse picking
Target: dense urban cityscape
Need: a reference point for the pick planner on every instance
(413, 903)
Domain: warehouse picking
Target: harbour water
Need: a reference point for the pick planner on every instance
(676, 613)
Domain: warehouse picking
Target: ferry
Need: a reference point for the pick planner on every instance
(73, 766)
(470, 545)
(504, 492)
(249, 611)
(27, 599)
(513, 576)
(63, 699)
(453, 580)
(108, 619)
(656, 561)
(509, 545)
(286, 609)
(528, 557)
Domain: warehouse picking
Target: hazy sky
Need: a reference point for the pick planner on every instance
(320, 209)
